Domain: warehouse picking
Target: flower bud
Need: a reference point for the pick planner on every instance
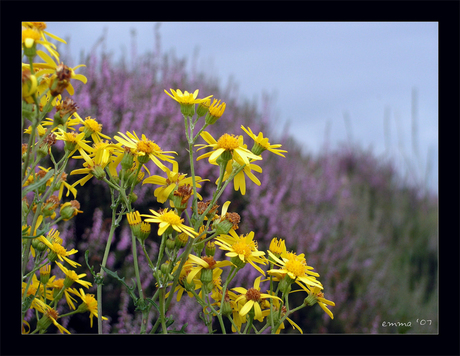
(165, 268)
(144, 232)
(216, 110)
(45, 274)
(181, 240)
(38, 245)
(170, 244)
(134, 221)
(132, 197)
(203, 108)
(210, 248)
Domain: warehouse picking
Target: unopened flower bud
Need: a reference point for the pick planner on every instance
(170, 244)
(210, 248)
(134, 221)
(38, 245)
(165, 268)
(144, 232)
(45, 274)
(203, 108)
(181, 240)
(216, 110)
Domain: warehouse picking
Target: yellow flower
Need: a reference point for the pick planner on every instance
(316, 296)
(216, 110)
(51, 67)
(206, 262)
(226, 143)
(94, 167)
(72, 276)
(174, 179)
(296, 268)
(58, 251)
(34, 32)
(252, 298)
(168, 219)
(186, 100)
(239, 181)
(73, 141)
(186, 97)
(277, 247)
(261, 144)
(89, 304)
(92, 128)
(50, 315)
(70, 209)
(242, 249)
(144, 147)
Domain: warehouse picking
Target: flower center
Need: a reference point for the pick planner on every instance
(210, 261)
(242, 248)
(51, 313)
(253, 294)
(72, 275)
(296, 267)
(93, 125)
(59, 250)
(30, 33)
(171, 218)
(228, 142)
(71, 137)
(147, 146)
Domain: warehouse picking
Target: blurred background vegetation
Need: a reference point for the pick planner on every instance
(370, 234)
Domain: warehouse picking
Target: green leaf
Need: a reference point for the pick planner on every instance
(122, 281)
(38, 184)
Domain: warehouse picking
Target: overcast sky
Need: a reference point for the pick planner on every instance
(318, 72)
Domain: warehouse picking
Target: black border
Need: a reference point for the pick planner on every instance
(446, 13)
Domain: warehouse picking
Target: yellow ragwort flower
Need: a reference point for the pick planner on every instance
(34, 32)
(145, 147)
(252, 298)
(174, 179)
(261, 144)
(242, 249)
(296, 268)
(72, 276)
(167, 219)
(89, 304)
(226, 143)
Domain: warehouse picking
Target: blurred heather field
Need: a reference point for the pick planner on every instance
(370, 234)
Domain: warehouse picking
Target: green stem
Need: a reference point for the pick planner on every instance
(104, 262)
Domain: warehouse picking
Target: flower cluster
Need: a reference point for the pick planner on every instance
(188, 229)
